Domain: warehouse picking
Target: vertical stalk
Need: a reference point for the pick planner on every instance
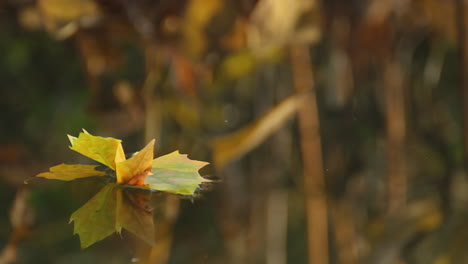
(341, 214)
(462, 34)
(314, 183)
(276, 227)
(396, 133)
(152, 113)
(168, 206)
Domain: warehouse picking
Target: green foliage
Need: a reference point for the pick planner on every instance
(116, 206)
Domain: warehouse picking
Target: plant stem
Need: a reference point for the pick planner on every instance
(314, 183)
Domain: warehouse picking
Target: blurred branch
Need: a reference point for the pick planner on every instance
(235, 145)
(314, 189)
(21, 217)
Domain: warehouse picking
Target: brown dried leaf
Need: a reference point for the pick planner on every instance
(232, 146)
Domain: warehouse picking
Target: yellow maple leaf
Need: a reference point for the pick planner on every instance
(107, 151)
(67, 172)
(138, 166)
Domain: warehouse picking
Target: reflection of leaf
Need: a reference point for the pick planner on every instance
(107, 151)
(133, 214)
(110, 210)
(114, 207)
(176, 173)
(67, 172)
(232, 146)
(96, 219)
(136, 165)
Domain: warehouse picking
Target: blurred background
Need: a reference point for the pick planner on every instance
(338, 129)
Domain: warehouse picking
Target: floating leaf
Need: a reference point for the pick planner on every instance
(67, 172)
(136, 165)
(96, 219)
(175, 173)
(115, 207)
(107, 151)
(134, 214)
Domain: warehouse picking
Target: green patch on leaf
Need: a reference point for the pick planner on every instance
(175, 173)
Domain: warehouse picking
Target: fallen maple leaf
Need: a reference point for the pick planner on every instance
(67, 172)
(107, 151)
(174, 172)
(112, 209)
(136, 166)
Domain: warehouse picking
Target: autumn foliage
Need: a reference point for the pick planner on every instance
(115, 207)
